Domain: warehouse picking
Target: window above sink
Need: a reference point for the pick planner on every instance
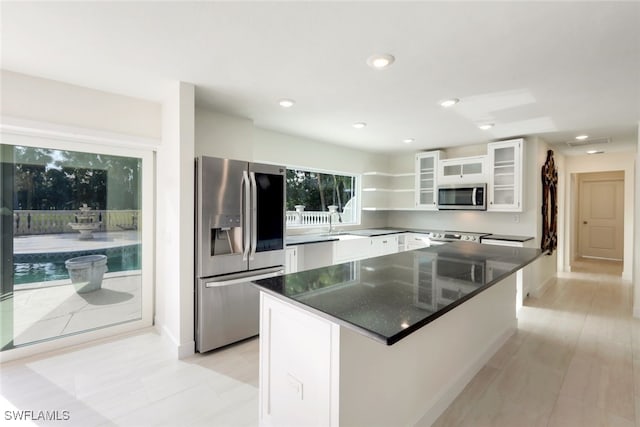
(320, 198)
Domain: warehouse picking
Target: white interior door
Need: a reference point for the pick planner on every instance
(601, 227)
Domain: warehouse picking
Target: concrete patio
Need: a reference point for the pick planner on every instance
(45, 310)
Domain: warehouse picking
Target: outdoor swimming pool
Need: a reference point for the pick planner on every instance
(31, 268)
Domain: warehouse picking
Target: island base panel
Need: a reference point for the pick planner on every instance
(315, 372)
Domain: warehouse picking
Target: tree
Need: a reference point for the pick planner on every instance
(316, 190)
(55, 179)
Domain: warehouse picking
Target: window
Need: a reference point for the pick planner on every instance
(319, 198)
(73, 254)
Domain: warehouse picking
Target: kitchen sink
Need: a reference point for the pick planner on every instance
(341, 235)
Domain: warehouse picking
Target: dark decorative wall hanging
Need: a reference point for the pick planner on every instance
(549, 205)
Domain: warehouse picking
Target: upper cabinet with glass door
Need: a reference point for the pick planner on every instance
(427, 180)
(505, 176)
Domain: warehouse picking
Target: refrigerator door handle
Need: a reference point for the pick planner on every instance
(246, 190)
(244, 279)
(254, 215)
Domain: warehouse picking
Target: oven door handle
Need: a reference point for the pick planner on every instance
(246, 223)
(473, 196)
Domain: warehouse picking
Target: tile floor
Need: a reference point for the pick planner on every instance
(575, 361)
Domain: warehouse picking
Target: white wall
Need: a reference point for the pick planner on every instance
(42, 100)
(221, 135)
(175, 221)
(83, 118)
(600, 163)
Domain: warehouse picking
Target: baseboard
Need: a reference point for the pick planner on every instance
(179, 350)
(447, 396)
(543, 286)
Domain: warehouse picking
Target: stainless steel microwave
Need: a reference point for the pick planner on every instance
(462, 197)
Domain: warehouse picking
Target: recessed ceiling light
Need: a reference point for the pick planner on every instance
(286, 103)
(408, 140)
(581, 137)
(380, 61)
(359, 125)
(595, 152)
(486, 126)
(449, 102)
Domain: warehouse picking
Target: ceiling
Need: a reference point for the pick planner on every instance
(551, 69)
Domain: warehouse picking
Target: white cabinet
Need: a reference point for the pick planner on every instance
(291, 261)
(462, 170)
(415, 241)
(523, 276)
(426, 177)
(351, 249)
(384, 245)
(505, 160)
(387, 191)
(314, 255)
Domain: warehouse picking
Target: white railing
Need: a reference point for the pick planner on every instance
(27, 222)
(308, 218)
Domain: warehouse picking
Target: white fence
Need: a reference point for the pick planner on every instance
(27, 222)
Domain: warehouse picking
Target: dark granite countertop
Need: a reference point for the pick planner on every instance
(389, 297)
(304, 239)
(372, 232)
(507, 238)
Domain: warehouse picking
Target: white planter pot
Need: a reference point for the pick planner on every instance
(86, 272)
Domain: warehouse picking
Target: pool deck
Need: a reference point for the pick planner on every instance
(46, 310)
(44, 313)
(69, 242)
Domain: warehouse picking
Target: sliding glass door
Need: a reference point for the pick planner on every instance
(74, 255)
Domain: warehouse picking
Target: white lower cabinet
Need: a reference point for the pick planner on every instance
(415, 241)
(384, 245)
(291, 261)
(351, 249)
(523, 276)
(364, 247)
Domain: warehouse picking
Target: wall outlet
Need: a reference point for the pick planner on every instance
(516, 218)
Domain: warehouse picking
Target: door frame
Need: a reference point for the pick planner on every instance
(87, 140)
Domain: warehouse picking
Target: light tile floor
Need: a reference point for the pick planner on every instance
(135, 381)
(575, 361)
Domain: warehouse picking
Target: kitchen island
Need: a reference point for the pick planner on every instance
(388, 340)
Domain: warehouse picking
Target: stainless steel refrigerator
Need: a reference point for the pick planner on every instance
(240, 237)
